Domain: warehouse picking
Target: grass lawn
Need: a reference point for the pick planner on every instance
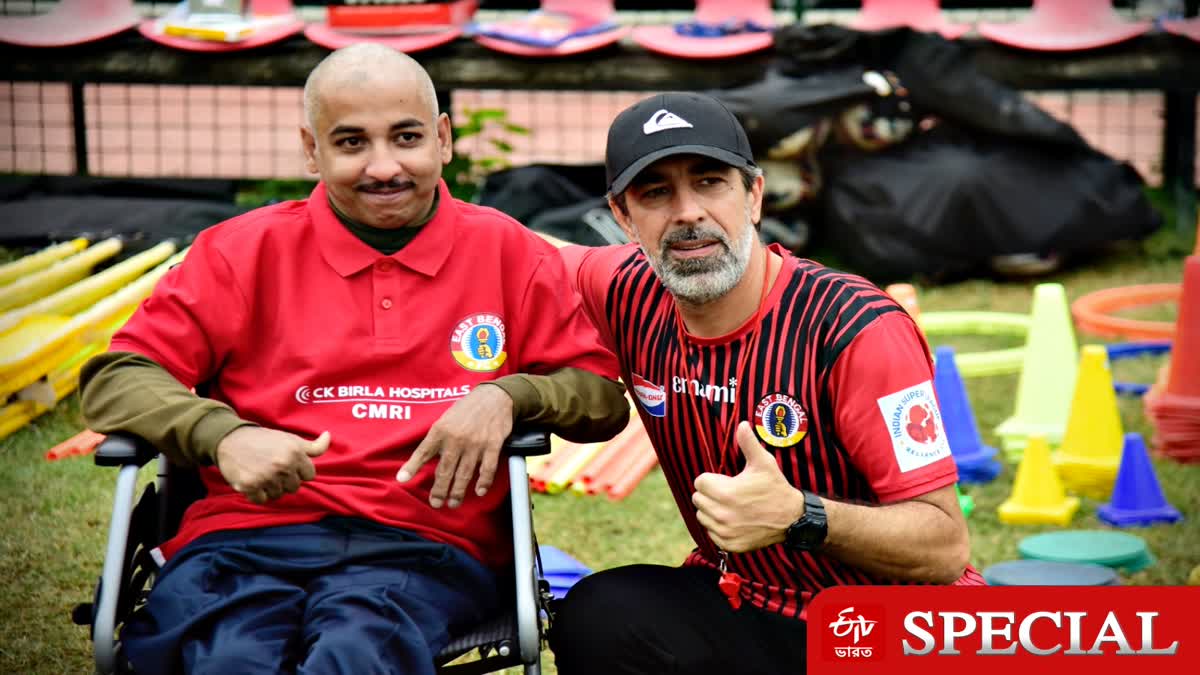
(56, 513)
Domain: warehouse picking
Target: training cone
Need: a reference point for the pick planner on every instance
(1137, 498)
(1090, 453)
(965, 502)
(976, 461)
(1047, 379)
(1173, 404)
(1037, 496)
(1184, 381)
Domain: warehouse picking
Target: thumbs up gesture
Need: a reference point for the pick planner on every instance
(753, 509)
(266, 464)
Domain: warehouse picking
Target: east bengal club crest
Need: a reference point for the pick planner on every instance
(780, 421)
(478, 343)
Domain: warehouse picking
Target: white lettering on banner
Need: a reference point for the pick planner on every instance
(957, 625)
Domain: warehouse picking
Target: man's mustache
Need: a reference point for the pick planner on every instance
(693, 233)
(376, 186)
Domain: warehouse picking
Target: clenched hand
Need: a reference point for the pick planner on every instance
(265, 464)
(753, 509)
(468, 435)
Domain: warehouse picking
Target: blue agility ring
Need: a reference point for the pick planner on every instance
(1125, 350)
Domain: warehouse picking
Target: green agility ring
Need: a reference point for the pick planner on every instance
(979, 364)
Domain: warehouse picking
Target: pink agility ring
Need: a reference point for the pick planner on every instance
(1093, 312)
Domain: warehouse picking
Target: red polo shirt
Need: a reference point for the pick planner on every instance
(300, 326)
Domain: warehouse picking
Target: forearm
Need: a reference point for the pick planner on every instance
(123, 391)
(577, 405)
(910, 541)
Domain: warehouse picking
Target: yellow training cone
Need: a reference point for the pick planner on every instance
(1047, 377)
(1090, 453)
(1037, 497)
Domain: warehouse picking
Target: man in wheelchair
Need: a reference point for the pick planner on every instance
(364, 353)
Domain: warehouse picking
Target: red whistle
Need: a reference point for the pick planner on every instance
(731, 585)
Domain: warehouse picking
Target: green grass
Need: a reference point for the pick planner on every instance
(55, 514)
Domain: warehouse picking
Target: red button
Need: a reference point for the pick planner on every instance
(384, 266)
(386, 303)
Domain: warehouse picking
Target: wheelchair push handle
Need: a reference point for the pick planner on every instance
(122, 449)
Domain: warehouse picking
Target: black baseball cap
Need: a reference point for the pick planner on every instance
(664, 125)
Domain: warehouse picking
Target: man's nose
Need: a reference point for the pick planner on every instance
(688, 208)
(383, 166)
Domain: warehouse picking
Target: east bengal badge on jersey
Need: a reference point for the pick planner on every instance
(780, 421)
(478, 343)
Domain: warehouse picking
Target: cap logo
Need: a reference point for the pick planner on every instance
(663, 120)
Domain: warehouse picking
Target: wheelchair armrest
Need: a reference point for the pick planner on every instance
(527, 443)
(122, 449)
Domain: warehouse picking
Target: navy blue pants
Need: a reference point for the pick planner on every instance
(340, 596)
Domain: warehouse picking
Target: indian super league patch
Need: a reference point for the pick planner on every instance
(780, 421)
(478, 343)
(652, 397)
(914, 424)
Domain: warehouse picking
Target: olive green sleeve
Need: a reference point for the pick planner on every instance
(577, 405)
(124, 391)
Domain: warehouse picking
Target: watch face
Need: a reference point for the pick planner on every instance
(808, 533)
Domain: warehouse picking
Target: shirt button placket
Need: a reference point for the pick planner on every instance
(385, 290)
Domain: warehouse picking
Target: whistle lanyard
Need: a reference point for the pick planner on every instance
(716, 462)
(729, 583)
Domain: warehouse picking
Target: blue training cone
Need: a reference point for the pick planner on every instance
(561, 570)
(1137, 497)
(976, 461)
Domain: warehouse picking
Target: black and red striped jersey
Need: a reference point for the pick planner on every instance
(834, 377)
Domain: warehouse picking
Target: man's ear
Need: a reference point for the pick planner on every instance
(445, 138)
(756, 199)
(309, 142)
(623, 220)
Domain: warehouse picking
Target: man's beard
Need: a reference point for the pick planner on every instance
(699, 281)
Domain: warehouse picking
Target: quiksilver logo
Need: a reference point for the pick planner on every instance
(663, 120)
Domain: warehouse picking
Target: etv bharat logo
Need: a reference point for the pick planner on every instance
(857, 628)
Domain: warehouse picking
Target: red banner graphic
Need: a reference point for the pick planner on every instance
(1009, 630)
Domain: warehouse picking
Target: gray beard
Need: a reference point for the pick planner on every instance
(699, 281)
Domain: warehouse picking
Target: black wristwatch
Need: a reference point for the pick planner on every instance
(808, 533)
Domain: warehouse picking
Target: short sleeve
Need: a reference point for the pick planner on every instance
(591, 270)
(554, 328)
(886, 410)
(190, 321)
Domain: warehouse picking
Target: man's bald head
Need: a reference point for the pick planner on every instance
(365, 64)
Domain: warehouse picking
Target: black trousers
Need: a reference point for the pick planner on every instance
(666, 621)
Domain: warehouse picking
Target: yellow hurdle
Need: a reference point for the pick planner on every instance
(83, 294)
(10, 272)
(59, 275)
(36, 345)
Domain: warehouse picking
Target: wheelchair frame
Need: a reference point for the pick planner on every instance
(502, 641)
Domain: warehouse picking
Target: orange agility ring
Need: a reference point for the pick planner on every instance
(1093, 312)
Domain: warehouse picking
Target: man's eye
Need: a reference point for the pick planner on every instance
(654, 192)
(408, 137)
(349, 142)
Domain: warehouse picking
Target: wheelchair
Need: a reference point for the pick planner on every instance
(512, 638)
